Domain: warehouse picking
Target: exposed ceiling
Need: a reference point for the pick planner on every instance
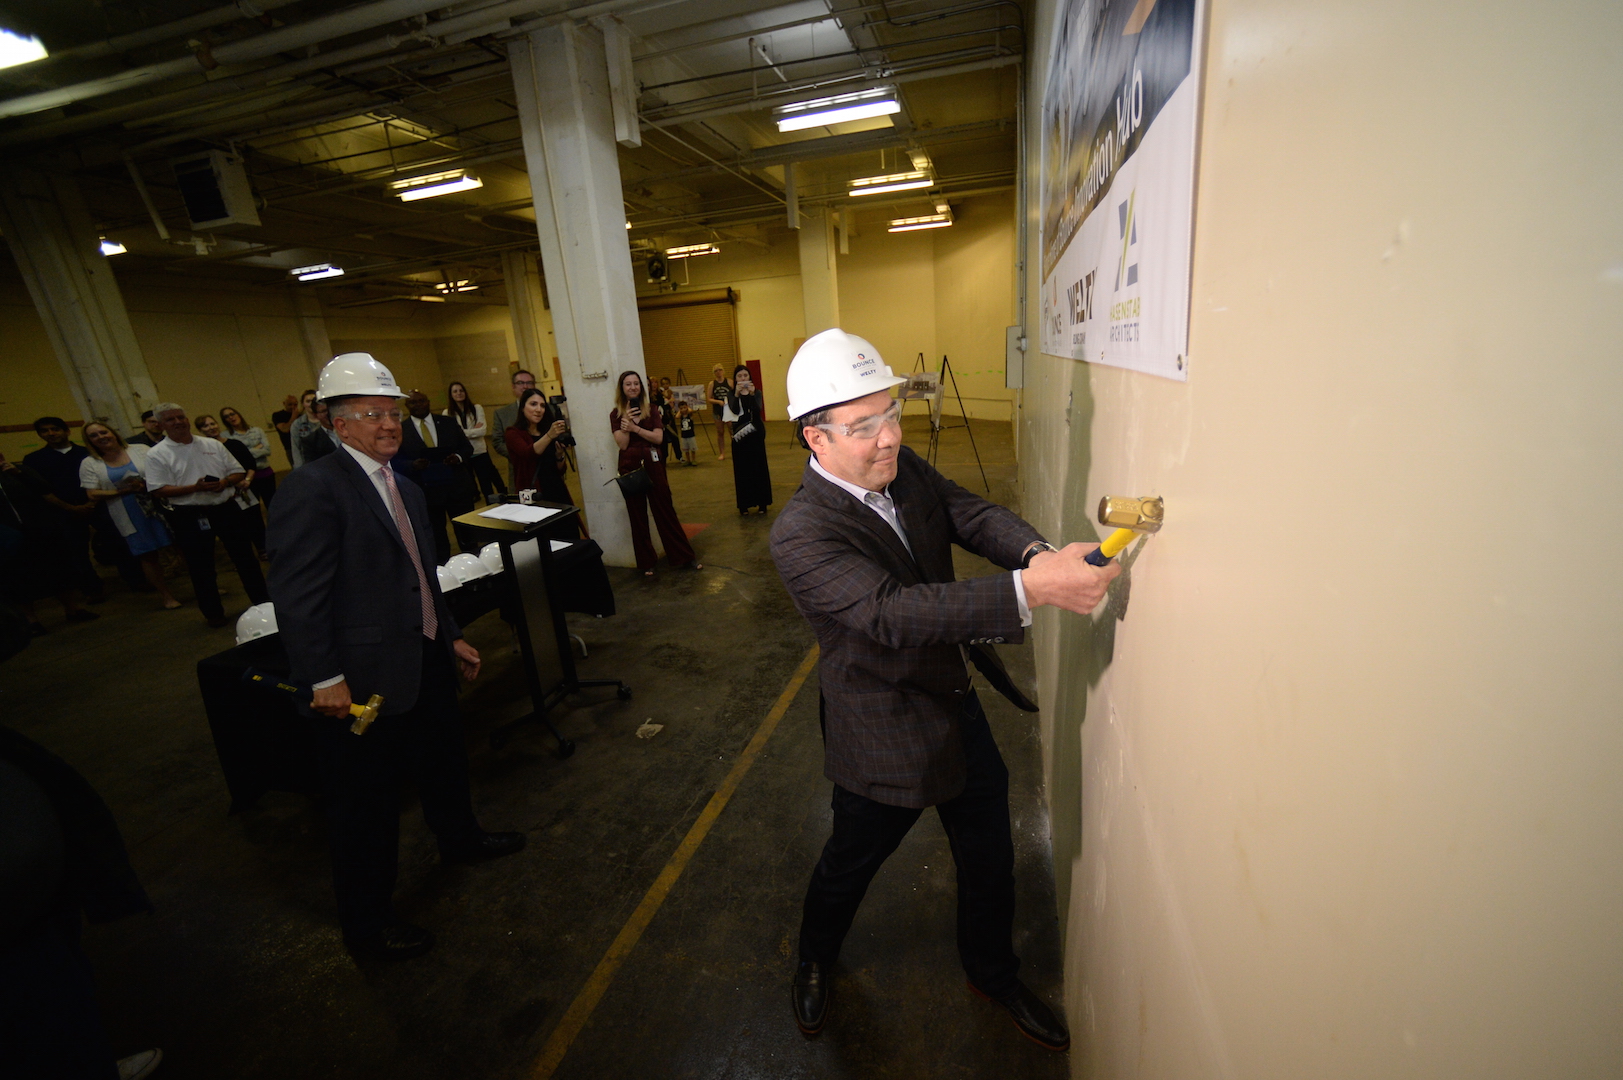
(328, 102)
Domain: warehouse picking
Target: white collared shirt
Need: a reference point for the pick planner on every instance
(882, 504)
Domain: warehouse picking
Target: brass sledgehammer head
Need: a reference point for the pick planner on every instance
(1141, 515)
(365, 714)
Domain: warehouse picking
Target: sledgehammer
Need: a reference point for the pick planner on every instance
(363, 714)
(1132, 516)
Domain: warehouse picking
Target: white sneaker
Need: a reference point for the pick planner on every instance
(139, 1066)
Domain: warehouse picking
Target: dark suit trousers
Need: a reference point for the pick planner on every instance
(444, 502)
(977, 827)
(197, 547)
(361, 777)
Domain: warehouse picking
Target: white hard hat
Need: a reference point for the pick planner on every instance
(834, 367)
(491, 556)
(466, 567)
(448, 580)
(257, 622)
(356, 373)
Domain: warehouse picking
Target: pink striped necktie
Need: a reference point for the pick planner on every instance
(431, 619)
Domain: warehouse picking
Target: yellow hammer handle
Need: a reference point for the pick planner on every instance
(1117, 540)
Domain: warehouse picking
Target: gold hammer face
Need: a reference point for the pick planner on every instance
(365, 714)
(1140, 515)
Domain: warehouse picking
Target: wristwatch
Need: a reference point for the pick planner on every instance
(1034, 550)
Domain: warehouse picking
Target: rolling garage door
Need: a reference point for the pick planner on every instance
(684, 335)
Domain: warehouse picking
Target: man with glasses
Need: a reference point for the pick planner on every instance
(359, 606)
(865, 550)
(506, 417)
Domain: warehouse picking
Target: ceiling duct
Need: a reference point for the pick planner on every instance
(215, 189)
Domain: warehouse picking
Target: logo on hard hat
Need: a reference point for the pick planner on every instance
(863, 361)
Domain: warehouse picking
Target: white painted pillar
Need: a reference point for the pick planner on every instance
(819, 280)
(56, 247)
(526, 307)
(561, 83)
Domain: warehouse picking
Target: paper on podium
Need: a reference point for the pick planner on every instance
(524, 515)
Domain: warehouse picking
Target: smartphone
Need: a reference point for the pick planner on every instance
(208, 479)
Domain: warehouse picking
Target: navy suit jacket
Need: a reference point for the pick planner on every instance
(451, 439)
(346, 594)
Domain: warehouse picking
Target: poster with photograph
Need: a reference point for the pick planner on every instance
(1118, 171)
(921, 386)
(691, 396)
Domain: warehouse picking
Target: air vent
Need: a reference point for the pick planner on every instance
(215, 188)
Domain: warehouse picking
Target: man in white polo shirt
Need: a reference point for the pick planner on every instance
(197, 477)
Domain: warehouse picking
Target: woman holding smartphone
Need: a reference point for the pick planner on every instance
(641, 438)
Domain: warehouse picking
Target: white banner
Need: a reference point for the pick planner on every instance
(1119, 115)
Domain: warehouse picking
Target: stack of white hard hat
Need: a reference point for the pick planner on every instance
(491, 556)
(448, 580)
(257, 622)
(834, 367)
(356, 373)
(466, 567)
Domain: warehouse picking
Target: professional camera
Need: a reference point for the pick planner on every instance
(560, 405)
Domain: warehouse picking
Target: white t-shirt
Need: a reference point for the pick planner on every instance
(173, 464)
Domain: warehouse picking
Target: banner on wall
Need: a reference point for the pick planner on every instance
(1118, 180)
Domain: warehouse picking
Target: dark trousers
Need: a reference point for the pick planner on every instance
(360, 780)
(264, 486)
(490, 481)
(445, 502)
(81, 573)
(50, 1027)
(677, 548)
(977, 826)
(196, 545)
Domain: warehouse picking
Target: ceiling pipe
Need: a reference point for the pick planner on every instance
(255, 48)
(203, 20)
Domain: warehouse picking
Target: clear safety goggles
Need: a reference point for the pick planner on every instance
(869, 426)
(377, 416)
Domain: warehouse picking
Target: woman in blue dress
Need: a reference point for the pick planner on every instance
(112, 475)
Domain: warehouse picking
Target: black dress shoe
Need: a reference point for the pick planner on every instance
(810, 995)
(1035, 1020)
(402, 941)
(490, 845)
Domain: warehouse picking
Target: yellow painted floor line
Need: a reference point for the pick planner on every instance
(580, 1010)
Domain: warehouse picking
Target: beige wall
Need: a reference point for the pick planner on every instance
(1337, 794)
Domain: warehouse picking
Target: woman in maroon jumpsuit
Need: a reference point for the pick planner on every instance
(641, 438)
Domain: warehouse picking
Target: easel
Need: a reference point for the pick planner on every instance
(936, 426)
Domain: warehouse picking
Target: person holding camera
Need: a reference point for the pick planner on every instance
(535, 445)
(641, 438)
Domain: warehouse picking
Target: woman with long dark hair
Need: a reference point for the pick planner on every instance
(534, 449)
(470, 415)
(752, 480)
(640, 437)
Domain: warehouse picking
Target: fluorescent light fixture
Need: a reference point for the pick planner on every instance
(456, 286)
(16, 49)
(112, 247)
(913, 224)
(819, 112)
(692, 251)
(878, 185)
(317, 271)
(427, 299)
(427, 187)
(628, 226)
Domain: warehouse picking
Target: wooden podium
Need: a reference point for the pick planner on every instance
(537, 615)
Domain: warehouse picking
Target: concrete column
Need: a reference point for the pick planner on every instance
(561, 84)
(819, 280)
(527, 309)
(56, 247)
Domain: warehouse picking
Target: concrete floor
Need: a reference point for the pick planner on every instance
(240, 972)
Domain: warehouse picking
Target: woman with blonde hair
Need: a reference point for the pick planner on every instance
(112, 474)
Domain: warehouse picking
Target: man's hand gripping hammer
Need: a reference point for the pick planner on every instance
(1131, 516)
(363, 714)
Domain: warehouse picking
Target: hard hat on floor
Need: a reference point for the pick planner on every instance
(834, 367)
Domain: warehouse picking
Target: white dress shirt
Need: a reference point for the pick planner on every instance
(882, 504)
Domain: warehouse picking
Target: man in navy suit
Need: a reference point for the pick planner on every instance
(358, 605)
(434, 451)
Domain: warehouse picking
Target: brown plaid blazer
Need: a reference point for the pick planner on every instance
(890, 625)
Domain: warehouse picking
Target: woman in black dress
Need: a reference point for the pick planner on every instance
(752, 481)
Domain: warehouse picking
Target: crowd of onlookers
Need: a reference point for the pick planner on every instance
(158, 499)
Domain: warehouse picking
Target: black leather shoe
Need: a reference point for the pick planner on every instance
(490, 845)
(402, 941)
(810, 996)
(1035, 1020)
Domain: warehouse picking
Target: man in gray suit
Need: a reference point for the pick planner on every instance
(358, 605)
(865, 550)
(504, 418)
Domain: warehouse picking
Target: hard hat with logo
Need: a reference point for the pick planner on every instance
(257, 622)
(356, 373)
(834, 367)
